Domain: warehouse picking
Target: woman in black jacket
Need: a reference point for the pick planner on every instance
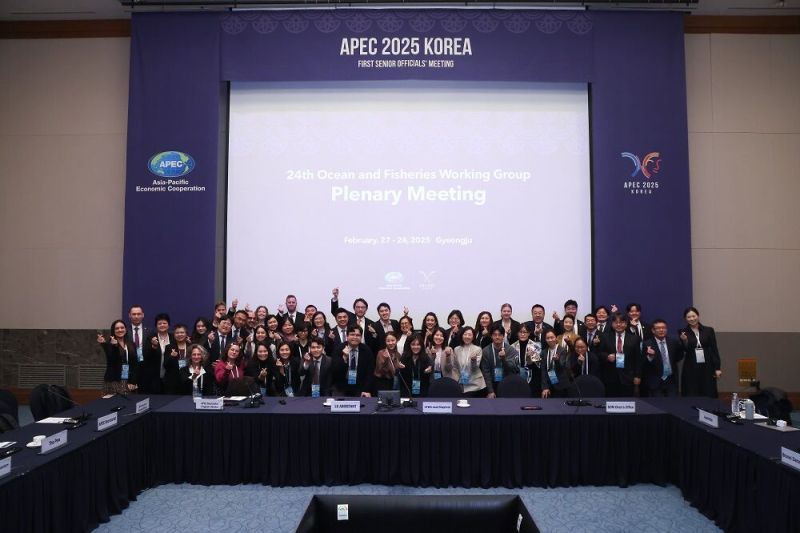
(197, 370)
(285, 372)
(701, 364)
(122, 365)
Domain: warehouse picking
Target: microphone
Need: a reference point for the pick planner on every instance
(78, 420)
(255, 398)
(410, 402)
(580, 402)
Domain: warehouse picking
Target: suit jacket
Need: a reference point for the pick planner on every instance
(491, 360)
(145, 334)
(415, 370)
(630, 348)
(532, 327)
(214, 352)
(365, 370)
(560, 365)
(115, 358)
(299, 319)
(171, 367)
(452, 339)
(206, 381)
(653, 367)
(150, 369)
(511, 335)
(698, 379)
(559, 328)
(325, 377)
(647, 331)
(290, 377)
(253, 370)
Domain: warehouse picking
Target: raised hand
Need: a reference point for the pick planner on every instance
(100, 338)
(335, 293)
(235, 303)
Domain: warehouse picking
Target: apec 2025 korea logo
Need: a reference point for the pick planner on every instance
(642, 179)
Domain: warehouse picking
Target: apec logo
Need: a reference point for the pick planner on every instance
(171, 164)
(647, 167)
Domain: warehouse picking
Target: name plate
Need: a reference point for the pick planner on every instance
(143, 406)
(790, 458)
(209, 404)
(54, 442)
(105, 422)
(437, 407)
(709, 419)
(346, 406)
(5, 466)
(620, 407)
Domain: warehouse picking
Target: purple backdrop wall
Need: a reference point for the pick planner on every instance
(633, 61)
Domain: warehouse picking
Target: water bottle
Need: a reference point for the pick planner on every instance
(735, 404)
(196, 393)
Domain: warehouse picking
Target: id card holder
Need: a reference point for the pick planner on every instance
(351, 377)
(524, 372)
(437, 375)
(553, 377)
(181, 363)
(139, 354)
(620, 360)
(315, 391)
(289, 391)
(464, 377)
(263, 391)
(415, 387)
(498, 373)
(700, 355)
(126, 369)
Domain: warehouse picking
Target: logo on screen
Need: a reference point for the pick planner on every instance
(171, 164)
(427, 280)
(393, 281)
(649, 165)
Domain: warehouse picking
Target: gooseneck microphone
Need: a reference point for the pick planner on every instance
(78, 420)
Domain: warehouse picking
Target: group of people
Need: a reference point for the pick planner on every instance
(289, 353)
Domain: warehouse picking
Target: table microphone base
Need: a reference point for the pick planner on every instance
(578, 403)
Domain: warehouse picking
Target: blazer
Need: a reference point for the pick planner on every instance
(325, 376)
(511, 335)
(290, 377)
(364, 371)
(653, 366)
(253, 370)
(116, 357)
(708, 341)
(491, 360)
(452, 339)
(559, 328)
(633, 357)
(647, 331)
(560, 365)
(462, 358)
(206, 381)
(532, 327)
(214, 351)
(413, 371)
(171, 366)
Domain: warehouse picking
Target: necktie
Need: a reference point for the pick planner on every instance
(315, 374)
(353, 359)
(619, 342)
(136, 339)
(662, 347)
(342, 335)
(602, 327)
(222, 343)
(589, 339)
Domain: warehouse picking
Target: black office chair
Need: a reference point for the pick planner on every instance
(444, 388)
(11, 405)
(7, 422)
(513, 386)
(44, 401)
(241, 387)
(590, 387)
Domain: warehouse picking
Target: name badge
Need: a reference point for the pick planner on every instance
(437, 407)
(620, 360)
(351, 377)
(699, 355)
(139, 354)
(181, 363)
(263, 391)
(5, 466)
(415, 386)
(709, 419)
(788, 457)
(314, 391)
(289, 391)
(437, 375)
(105, 422)
(498, 373)
(464, 377)
(208, 404)
(524, 372)
(346, 406)
(620, 407)
(553, 377)
(143, 406)
(126, 369)
(53, 442)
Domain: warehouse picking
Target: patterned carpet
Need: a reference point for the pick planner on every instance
(245, 508)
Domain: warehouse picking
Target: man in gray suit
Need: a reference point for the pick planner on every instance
(498, 360)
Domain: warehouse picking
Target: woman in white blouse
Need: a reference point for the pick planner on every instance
(467, 365)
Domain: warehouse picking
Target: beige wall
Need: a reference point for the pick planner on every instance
(63, 112)
(63, 123)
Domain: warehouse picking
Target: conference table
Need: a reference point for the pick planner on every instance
(732, 473)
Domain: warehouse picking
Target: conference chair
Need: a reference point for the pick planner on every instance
(513, 386)
(587, 386)
(444, 388)
(47, 400)
(10, 401)
(241, 387)
(7, 422)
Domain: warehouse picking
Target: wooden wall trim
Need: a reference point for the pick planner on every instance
(64, 29)
(730, 24)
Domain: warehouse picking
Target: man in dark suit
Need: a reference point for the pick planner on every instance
(372, 335)
(385, 324)
(151, 371)
(635, 324)
(570, 308)
(621, 360)
(219, 340)
(354, 365)
(660, 356)
(289, 309)
(538, 327)
(316, 370)
(239, 326)
(603, 325)
(498, 360)
(139, 333)
(337, 337)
